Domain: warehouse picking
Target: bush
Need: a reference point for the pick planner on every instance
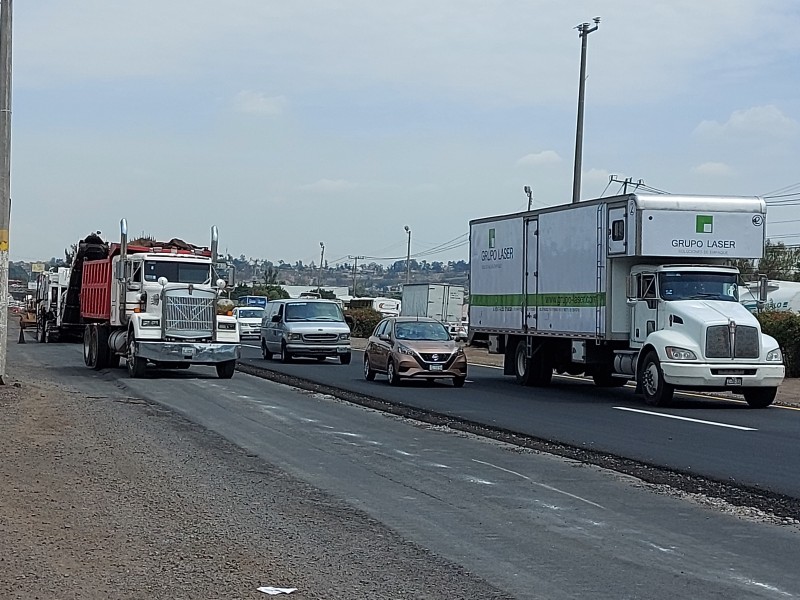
(784, 327)
(364, 321)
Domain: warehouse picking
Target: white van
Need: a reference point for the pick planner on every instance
(305, 327)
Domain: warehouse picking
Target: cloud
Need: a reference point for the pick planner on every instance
(257, 103)
(715, 169)
(546, 157)
(765, 121)
(325, 186)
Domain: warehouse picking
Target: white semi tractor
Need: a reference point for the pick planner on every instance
(631, 287)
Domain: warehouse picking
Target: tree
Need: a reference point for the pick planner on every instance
(779, 262)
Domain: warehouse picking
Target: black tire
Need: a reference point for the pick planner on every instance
(346, 358)
(225, 370)
(760, 397)
(369, 374)
(605, 379)
(100, 335)
(41, 330)
(89, 358)
(137, 366)
(459, 381)
(656, 391)
(113, 361)
(534, 371)
(265, 353)
(391, 374)
(286, 356)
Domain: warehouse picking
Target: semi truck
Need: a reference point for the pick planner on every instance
(151, 304)
(630, 287)
(50, 296)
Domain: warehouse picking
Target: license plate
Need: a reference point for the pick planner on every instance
(188, 351)
(342, 350)
(733, 381)
(436, 367)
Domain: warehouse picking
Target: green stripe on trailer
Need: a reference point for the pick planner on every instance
(497, 299)
(565, 300)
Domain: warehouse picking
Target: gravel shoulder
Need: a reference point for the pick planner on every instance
(106, 496)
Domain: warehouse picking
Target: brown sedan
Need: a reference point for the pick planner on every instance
(414, 348)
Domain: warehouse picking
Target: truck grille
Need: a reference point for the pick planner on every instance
(718, 342)
(320, 338)
(189, 316)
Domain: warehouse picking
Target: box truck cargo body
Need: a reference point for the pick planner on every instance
(626, 287)
(441, 301)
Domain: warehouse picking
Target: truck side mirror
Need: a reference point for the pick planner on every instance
(763, 288)
(276, 318)
(632, 291)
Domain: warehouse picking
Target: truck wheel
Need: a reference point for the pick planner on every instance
(760, 397)
(41, 331)
(657, 392)
(100, 343)
(286, 357)
(534, 371)
(89, 356)
(265, 352)
(225, 370)
(137, 366)
(345, 358)
(605, 379)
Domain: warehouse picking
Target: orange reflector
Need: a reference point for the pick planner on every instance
(229, 313)
(137, 310)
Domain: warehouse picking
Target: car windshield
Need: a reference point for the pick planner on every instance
(313, 311)
(421, 330)
(696, 285)
(176, 272)
(251, 313)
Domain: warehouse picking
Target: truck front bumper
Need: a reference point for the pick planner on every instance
(188, 352)
(688, 375)
(300, 349)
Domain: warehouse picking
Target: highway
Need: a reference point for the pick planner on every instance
(721, 439)
(531, 524)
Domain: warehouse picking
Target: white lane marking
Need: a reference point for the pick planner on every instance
(404, 453)
(472, 479)
(701, 421)
(765, 586)
(543, 485)
(660, 549)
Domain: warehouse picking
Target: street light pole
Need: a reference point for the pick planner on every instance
(319, 271)
(5, 174)
(529, 194)
(584, 29)
(408, 256)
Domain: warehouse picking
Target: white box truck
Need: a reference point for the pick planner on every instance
(441, 301)
(626, 287)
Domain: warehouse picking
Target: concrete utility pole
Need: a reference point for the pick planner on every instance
(5, 173)
(408, 256)
(584, 29)
(319, 271)
(529, 194)
(355, 267)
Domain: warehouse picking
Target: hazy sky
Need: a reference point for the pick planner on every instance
(294, 122)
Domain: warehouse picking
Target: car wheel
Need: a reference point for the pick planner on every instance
(657, 392)
(459, 381)
(286, 356)
(391, 374)
(265, 353)
(369, 374)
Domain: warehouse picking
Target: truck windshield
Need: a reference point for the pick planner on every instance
(696, 285)
(313, 311)
(176, 272)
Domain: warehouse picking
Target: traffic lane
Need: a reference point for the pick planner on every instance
(579, 414)
(531, 524)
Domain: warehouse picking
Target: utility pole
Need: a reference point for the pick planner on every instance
(584, 29)
(319, 271)
(355, 267)
(529, 194)
(408, 256)
(5, 174)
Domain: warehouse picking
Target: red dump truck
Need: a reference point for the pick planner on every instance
(152, 304)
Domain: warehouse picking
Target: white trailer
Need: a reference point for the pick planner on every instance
(781, 296)
(441, 301)
(51, 294)
(625, 287)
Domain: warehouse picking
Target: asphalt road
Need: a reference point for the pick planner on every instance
(716, 438)
(533, 525)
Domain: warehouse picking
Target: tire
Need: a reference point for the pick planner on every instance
(113, 361)
(535, 371)
(656, 391)
(760, 397)
(459, 381)
(391, 374)
(41, 331)
(225, 370)
(102, 352)
(346, 358)
(604, 379)
(369, 374)
(137, 366)
(286, 357)
(89, 358)
(265, 353)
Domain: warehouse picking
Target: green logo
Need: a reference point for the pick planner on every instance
(704, 224)
(491, 238)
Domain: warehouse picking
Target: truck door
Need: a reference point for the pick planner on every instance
(645, 310)
(531, 274)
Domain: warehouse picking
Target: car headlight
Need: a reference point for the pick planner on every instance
(675, 353)
(775, 355)
(344, 336)
(295, 336)
(227, 326)
(405, 350)
(459, 351)
(157, 323)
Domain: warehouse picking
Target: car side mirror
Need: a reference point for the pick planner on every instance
(383, 337)
(276, 318)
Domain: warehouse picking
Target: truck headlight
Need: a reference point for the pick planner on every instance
(344, 337)
(295, 336)
(775, 355)
(151, 322)
(405, 350)
(227, 326)
(675, 353)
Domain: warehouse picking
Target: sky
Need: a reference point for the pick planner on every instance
(287, 124)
